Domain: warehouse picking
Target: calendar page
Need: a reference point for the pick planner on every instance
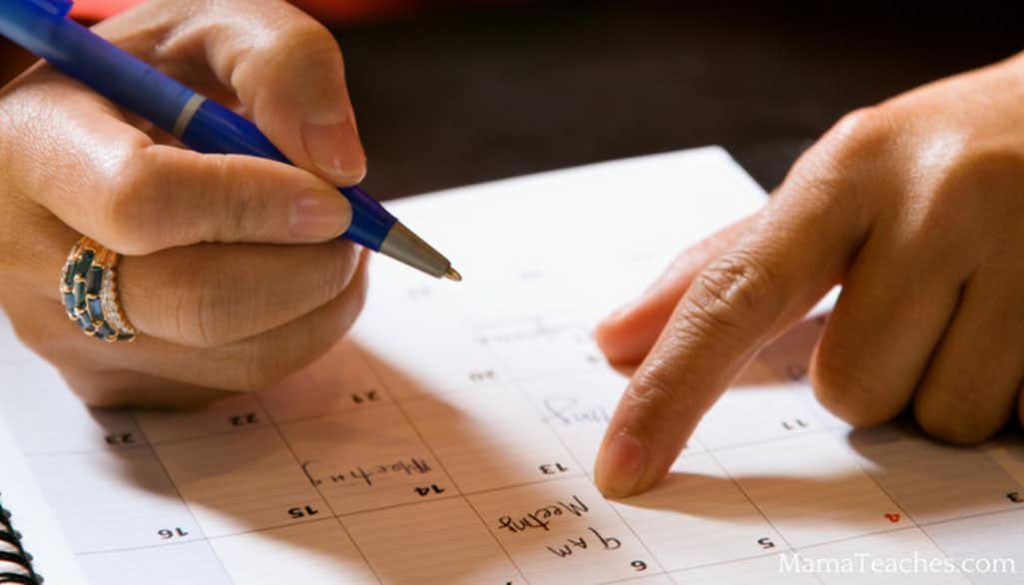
(450, 438)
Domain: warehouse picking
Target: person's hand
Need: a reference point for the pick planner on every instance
(231, 272)
(917, 207)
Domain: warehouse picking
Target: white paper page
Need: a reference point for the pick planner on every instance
(450, 438)
(32, 518)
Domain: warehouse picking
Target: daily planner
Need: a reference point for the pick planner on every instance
(450, 437)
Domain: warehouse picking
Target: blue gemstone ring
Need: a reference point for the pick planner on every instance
(88, 286)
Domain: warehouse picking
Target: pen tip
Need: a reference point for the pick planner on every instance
(453, 274)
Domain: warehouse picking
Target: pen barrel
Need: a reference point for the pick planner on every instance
(42, 29)
(110, 71)
(216, 129)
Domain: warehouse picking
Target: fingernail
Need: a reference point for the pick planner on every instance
(335, 150)
(621, 465)
(318, 214)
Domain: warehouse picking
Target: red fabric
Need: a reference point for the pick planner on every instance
(331, 11)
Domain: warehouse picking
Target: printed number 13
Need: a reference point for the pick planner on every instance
(552, 468)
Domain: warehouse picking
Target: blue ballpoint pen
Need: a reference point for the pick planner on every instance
(43, 28)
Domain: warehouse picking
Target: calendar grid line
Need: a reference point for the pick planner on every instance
(100, 449)
(319, 492)
(343, 515)
(170, 479)
(855, 537)
(666, 572)
(517, 382)
(499, 543)
(756, 507)
(916, 525)
(971, 516)
(203, 539)
(637, 578)
(436, 371)
(796, 549)
(461, 494)
(722, 563)
(149, 447)
(383, 404)
(580, 466)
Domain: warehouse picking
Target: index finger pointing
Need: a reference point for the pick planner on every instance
(793, 253)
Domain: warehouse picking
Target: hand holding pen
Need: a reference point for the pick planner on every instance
(219, 303)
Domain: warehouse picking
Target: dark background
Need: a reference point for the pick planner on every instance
(457, 95)
(451, 97)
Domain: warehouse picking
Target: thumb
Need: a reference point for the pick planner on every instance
(287, 70)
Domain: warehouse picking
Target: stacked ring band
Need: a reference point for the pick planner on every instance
(88, 286)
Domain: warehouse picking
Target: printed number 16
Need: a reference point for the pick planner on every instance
(167, 533)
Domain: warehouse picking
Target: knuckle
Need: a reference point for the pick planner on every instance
(660, 397)
(268, 359)
(204, 314)
(52, 338)
(325, 331)
(730, 292)
(352, 305)
(332, 283)
(308, 36)
(32, 335)
(950, 426)
(264, 364)
(92, 389)
(302, 40)
(127, 213)
(980, 178)
(238, 213)
(843, 386)
(859, 129)
(951, 416)
(847, 153)
(227, 368)
(652, 390)
(94, 397)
